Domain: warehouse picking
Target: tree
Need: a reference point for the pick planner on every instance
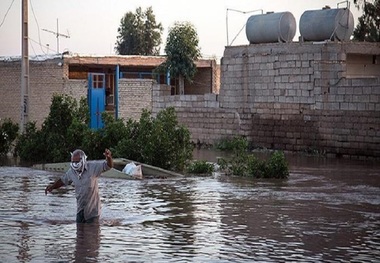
(181, 50)
(139, 34)
(368, 28)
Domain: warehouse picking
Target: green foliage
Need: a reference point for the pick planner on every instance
(257, 168)
(139, 34)
(200, 167)
(181, 50)
(8, 134)
(30, 145)
(236, 144)
(159, 141)
(61, 132)
(247, 165)
(127, 146)
(277, 166)
(368, 28)
(97, 140)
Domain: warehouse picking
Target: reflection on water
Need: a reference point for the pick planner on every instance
(87, 242)
(327, 211)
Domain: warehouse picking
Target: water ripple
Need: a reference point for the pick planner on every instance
(314, 216)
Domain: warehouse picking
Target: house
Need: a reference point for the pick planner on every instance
(103, 79)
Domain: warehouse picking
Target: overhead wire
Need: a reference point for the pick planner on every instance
(6, 13)
(38, 26)
(39, 43)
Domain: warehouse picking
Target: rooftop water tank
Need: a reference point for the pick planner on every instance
(271, 27)
(332, 24)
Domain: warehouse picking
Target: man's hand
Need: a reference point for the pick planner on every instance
(56, 185)
(48, 189)
(107, 153)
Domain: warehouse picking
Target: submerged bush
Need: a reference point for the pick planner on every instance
(200, 167)
(277, 166)
(248, 165)
(234, 144)
(8, 134)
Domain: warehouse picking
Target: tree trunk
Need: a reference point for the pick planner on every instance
(181, 83)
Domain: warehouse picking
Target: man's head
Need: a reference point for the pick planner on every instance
(78, 160)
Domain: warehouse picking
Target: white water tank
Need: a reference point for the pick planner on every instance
(327, 24)
(271, 27)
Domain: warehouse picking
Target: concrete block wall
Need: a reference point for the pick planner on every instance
(299, 97)
(201, 114)
(134, 96)
(289, 96)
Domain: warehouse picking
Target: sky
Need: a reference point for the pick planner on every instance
(92, 24)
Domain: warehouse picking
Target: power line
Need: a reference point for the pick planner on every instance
(2, 22)
(38, 26)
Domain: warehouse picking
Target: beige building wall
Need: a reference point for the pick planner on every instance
(45, 79)
(134, 96)
(10, 83)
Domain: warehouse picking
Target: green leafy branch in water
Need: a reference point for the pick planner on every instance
(200, 167)
(243, 163)
(248, 165)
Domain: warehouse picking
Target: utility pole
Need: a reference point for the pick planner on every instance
(57, 34)
(24, 67)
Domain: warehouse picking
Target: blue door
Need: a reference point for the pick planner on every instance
(96, 98)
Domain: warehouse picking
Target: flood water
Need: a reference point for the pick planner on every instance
(327, 211)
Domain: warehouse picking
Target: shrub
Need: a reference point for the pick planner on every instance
(8, 134)
(277, 166)
(62, 131)
(159, 141)
(248, 165)
(256, 168)
(200, 167)
(235, 144)
(30, 146)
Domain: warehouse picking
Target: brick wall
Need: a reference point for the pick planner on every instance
(45, 79)
(134, 96)
(206, 80)
(76, 88)
(10, 83)
(202, 82)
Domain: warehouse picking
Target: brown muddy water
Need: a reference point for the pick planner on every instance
(327, 211)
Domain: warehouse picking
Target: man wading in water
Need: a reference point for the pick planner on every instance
(85, 176)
